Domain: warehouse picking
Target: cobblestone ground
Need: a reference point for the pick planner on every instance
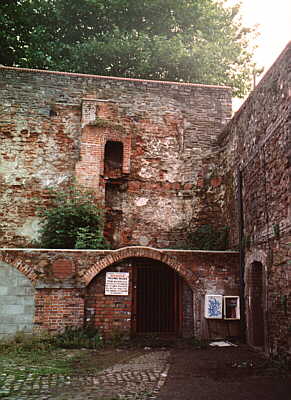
(140, 379)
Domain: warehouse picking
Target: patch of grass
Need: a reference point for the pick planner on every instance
(74, 351)
(36, 364)
(42, 354)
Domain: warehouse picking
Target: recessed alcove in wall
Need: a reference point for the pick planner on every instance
(113, 157)
(256, 311)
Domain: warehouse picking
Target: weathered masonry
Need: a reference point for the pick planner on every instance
(139, 145)
(163, 159)
(164, 288)
(256, 158)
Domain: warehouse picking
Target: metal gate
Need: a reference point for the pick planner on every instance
(156, 300)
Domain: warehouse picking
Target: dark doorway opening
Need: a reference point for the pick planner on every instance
(257, 324)
(113, 157)
(156, 298)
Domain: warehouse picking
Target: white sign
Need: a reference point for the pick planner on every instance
(117, 283)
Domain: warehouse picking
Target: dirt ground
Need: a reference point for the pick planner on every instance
(145, 371)
(228, 373)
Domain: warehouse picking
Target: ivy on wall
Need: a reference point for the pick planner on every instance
(206, 237)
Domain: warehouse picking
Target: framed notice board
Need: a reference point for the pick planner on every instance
(116, 283)
(231, 307)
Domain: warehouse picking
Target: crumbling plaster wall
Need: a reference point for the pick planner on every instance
(170, 127)
(257, 143)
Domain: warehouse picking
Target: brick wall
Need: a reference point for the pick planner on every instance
(77, 299)
(111, 314)
(257, 143)
(54, 126)
(56, 309)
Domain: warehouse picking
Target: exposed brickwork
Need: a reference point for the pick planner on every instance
(55, 127)
(129, 252)
(257, 142)
(80, 298)
(187, 311)
(63, 268)
(55, 309)
(177, 169)
(20, 264)
(111, 314)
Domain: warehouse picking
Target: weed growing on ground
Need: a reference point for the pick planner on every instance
(22, 343)
(41, 354)
(198, 343)
(75, 350)
(76, 338)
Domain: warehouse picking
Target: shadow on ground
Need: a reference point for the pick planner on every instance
(228, 373)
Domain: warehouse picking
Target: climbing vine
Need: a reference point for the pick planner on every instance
(206, 237)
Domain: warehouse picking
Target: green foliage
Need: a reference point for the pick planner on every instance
(71, 338)
(205, 237)
(79, 337)
(72, 222)
(200, 41)
(117, 338)
(22, 343)
(86, 239)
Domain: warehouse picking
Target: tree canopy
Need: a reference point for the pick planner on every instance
(199, 41)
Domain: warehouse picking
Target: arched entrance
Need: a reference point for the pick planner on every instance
(17, 301)
(156, 298)
(256, 305)
(159, 298)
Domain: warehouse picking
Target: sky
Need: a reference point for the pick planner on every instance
(273, 18)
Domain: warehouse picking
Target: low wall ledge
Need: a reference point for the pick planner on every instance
(29, 250)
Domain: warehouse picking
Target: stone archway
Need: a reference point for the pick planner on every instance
(17, 301)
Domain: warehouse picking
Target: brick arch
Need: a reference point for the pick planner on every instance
(134, 252)
(256, 256)
(20, 265)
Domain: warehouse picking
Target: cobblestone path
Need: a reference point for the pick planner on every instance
(139, 379)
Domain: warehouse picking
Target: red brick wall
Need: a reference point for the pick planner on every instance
(111, 314)
(56, 309)
(79, 299)
(63, 268)
(257, 142)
